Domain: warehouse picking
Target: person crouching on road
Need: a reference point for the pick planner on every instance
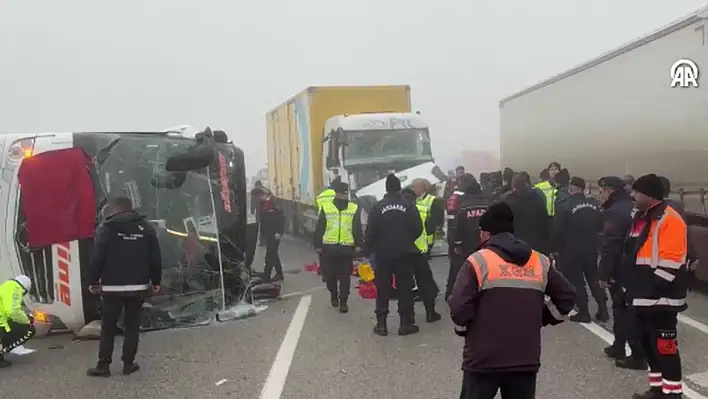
(498, 304)
(338, 238)
(16, 327)
(126, 265)
(391, 232)
(657, 250)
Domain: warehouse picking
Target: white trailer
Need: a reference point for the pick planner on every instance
(618, 113)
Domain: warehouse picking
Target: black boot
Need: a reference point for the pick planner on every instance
(602, 315)
(4, 363)
(334, 300)
(101, 370)
(381, 328)
(431, 316)
(651, 393)
(406, 327)
(581, 317)
(631, 363)
(130, 368)
(615, 352)
(343, 307)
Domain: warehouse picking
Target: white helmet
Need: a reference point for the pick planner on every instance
(24, 281)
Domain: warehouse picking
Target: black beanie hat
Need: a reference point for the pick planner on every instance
(393, 185)
(498, 219)
(650, 185)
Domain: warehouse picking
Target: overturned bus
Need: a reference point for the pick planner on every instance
(190, 185)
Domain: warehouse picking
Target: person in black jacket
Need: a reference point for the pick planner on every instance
(465, 234)
(531, 221)
(126, 264)
(562, 181)
(576, 238)
(618, 210)
(338, 257)
(272, 227)
(391, 231)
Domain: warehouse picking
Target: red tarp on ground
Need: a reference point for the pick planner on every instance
(57, 197)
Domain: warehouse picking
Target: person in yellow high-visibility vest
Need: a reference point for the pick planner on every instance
(548, 190)
(16, 327)
(338, 239)
(421, 268)
(327, 195)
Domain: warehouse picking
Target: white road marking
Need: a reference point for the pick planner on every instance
(273, 387)
(609, 338)
(221, 382)
(700, 379)
(300, 293)
(693, 323)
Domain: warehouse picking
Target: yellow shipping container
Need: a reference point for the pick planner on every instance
(295, 129)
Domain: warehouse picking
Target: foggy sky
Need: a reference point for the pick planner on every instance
(91, 65)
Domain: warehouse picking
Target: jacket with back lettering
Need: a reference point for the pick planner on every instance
(465, 232)
(126, 255)
(392, 228)
(503, 324)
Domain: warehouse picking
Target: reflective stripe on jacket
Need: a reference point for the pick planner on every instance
(325, 196)
(493, 272)
(660, 273)
(11, 293)
(549, 194)
(423, 205)
(340, 225)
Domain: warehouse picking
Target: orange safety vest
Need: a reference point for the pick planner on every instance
(493, 272)
(663, 255)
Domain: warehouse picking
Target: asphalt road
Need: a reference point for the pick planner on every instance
(300, 347)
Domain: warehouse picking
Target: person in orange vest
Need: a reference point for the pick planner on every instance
(655, 251)
(504, 293)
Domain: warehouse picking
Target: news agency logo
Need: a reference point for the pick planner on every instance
(684, 74)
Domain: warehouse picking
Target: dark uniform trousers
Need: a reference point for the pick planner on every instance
(272, 256)
(579, 268)
(658, 336)
(402, 269)
(625, 325)
(456, 262)
(513, 385)
(337, 271)
(18, 335)
(251, 242)
(111, 308)
(426, 282)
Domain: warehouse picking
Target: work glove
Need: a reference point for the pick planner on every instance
(31, 320)
(278, 236)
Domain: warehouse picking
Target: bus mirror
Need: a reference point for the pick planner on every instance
(196, 158)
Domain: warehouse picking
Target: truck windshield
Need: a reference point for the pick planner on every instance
(382, 146)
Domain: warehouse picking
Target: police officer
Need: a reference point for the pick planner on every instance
(465, 234)
(656, 249)
(16, 327)
(577, 226)
(452, 205)
(618, 208)
(338, 237)
(391, 232)
(421, 266)
(501, 289)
